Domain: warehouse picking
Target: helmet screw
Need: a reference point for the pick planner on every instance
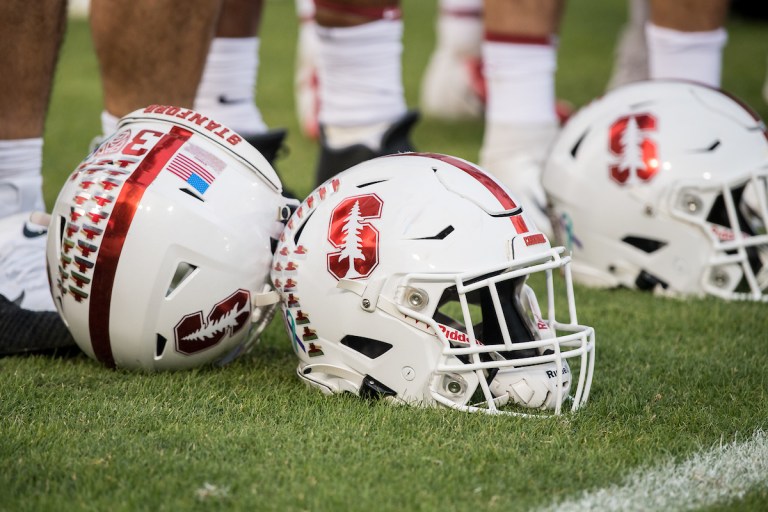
(416, 298)
(720, 278)
(454, 387)
(692, 203)
(366, 303)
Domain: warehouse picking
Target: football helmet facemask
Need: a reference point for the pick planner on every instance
(406, 277)
(662, 185)
(159, 246)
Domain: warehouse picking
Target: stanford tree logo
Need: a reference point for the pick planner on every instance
(195, 333)
(635, 153)
(356, 239)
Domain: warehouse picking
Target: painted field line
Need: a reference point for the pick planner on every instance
(719, 475)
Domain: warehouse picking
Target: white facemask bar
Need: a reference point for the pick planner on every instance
(580, 341)
(740, 242)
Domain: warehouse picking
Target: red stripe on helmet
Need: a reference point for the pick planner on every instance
(489, 183)
(114, 238)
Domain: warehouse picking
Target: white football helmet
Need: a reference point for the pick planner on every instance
(160, 241)
(406, 277)
(662, 185)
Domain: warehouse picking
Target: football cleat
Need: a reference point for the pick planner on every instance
(23, 277)
(453, 87)
(269, 143)
(28, 320)
(23, 330)
(395, 140)
(515, 155)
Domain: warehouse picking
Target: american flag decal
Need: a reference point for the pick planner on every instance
(192, 172)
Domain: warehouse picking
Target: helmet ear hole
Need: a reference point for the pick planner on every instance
(369, 347)
(647, 245)
(160, 345)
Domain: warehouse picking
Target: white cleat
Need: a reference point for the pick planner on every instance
(23, 274)
(515, 155)
(452, 87)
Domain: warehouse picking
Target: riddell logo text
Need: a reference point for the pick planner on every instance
(454, 335)
(197, 118)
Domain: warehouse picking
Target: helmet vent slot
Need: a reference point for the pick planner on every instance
(442, 235)
(367, 346)
(362, 185)
(183, 271)
(62, 226)
(190, 193)
(647, 245)
(575, 148)
(300, 229)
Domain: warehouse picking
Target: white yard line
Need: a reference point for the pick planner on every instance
(719, 475)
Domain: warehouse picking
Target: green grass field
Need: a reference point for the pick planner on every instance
(672, 377)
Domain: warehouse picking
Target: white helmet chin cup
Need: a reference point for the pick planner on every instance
(535, 387)
(404, 277)
(159, 245)
(663, 186)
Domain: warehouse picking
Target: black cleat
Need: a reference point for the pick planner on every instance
(270, 145)
(26, 331)
(395, 140)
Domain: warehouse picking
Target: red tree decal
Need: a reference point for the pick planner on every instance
(355, 237)
(636, 154)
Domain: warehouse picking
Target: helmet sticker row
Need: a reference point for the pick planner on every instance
(290, 255)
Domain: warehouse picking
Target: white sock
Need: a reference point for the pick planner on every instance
(695, 56)
(460, 27)
(227, 91)
(521, 82)
(108, 123)
(361, 85)
(21, 178)
(305, 10)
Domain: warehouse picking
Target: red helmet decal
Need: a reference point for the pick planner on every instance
(356, 239)
(194, 334)
(635, 153)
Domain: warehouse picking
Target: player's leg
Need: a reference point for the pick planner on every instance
(686, 39)
(150, 51)
(362, 109)
(452, 86)
(227, 90)
(32, 34)
(520, 59)
(631, 54)
(305, 85)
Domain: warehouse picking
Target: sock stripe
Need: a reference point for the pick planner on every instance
(498, 37)
(370, 12)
